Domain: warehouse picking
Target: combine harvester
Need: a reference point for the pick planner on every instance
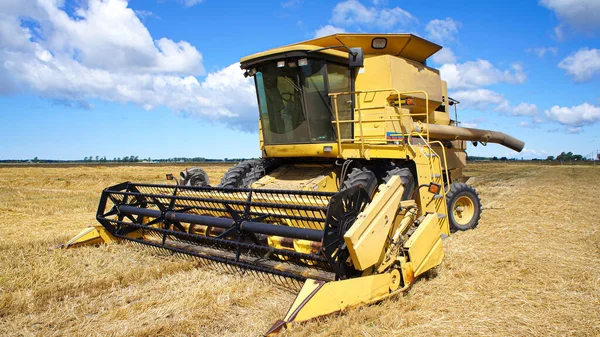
(360, 177)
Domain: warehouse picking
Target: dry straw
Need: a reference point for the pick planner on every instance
(532, 268)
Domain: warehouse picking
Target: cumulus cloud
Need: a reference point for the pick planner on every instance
(103, 51)
(478, 98)
(328, 30)
(444, 56)
(575, 116)
(352, 14)
(579, 14)
(480, 73)
(523, 109)
(583, 65)
(442, 31)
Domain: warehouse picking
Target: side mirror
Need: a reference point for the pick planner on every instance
(355, 58)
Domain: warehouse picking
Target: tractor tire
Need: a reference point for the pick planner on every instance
(361, 177)
(258, 171)
(194, 176)
(407, 178)
(244, 174)
(234, 177)
(464, 207)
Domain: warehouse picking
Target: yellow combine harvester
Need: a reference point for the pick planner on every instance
(359, 181)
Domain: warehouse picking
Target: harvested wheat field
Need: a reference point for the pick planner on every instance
(531, 268)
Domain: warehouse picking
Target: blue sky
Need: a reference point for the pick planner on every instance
(161, 78)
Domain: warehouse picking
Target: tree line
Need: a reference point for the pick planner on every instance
(563, 156)
(569, 156)
(126, 159)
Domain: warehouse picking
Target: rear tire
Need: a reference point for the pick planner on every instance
(407, 178)
(244, 174)
(361, 177)
(194, 176)
(464, 207)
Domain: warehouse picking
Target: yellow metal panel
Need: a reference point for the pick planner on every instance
(407, 75)
(434, 258)
(404, 45)
(300, 177)
(424, 244)
(373, 128)
(319, 299)
(301, 150)
(374, 75)
(296, 47)
(367, 237)
(93, 235)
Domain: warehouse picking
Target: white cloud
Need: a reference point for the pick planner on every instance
(574, 130)
(542, 51)
(530, 153)
(559, 33)
(190, 3)
(582, 65)
(476, 74)
(106, 53)
(143, 14)
(328, 30)
(523, 109)
(575, 116)
(477, 98)
(468, 125)
(580, 14)
(529, 124)
(442, 31)
(444, 56)
(108, 35)
(351, 13)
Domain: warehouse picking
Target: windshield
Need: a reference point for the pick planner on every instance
(294, 102)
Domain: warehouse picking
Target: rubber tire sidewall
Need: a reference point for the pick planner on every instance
(196, 174)
(458, 190)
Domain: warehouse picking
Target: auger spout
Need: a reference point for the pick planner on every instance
(448, 132)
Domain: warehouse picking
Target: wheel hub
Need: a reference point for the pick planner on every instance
(463, 210)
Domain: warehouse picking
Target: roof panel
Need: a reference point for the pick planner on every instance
(404, 45)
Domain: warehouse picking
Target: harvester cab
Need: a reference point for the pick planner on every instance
(360, 177)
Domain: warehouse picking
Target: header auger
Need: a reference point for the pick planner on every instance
(359, 181)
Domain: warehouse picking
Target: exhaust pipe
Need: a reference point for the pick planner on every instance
(448, 132)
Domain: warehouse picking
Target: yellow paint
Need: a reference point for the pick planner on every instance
(93, 235)
(404, 45)
(425, 245)
(463, 210)
(316, 300)
(367, 236)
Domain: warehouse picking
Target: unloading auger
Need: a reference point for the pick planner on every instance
(359, 181)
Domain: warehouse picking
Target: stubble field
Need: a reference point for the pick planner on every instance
(531, 268)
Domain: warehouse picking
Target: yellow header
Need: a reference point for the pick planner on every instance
(404, 45)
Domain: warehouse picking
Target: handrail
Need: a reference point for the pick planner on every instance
(360, 120)
(422, 133)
